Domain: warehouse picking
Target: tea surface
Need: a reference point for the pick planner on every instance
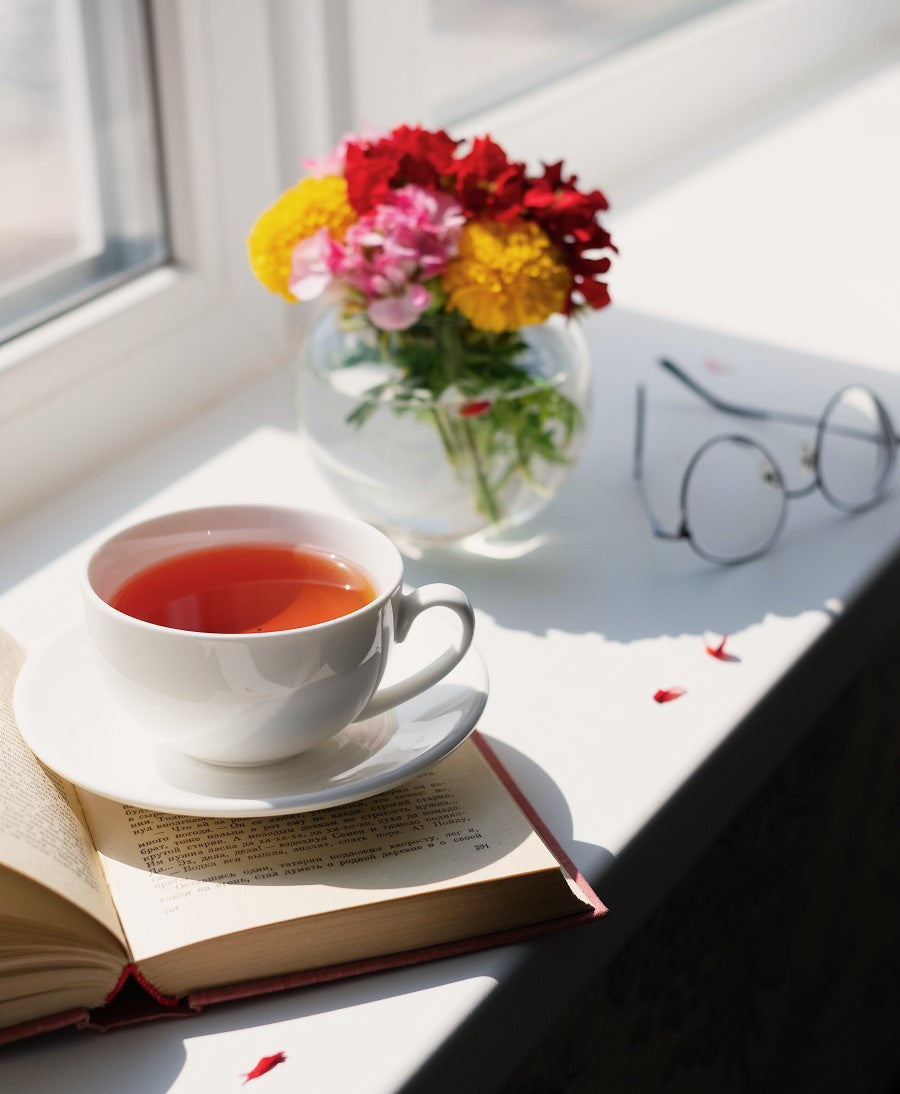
(244, 588)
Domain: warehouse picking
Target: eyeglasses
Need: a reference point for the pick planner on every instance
(734, 497)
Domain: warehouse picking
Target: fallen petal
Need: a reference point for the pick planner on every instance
(719, 651)
(264, 1065)
(666, 695)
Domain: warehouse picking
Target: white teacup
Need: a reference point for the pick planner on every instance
(260, 697)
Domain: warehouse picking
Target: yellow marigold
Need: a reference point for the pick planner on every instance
(312, 204)
(506, 276)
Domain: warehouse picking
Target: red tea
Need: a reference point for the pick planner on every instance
(242, 588)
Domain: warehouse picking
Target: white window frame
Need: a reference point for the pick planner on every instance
(250, 87)
(78, 391)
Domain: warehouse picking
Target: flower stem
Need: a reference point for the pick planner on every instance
(445, 433)
(461, 447)
(487, 501)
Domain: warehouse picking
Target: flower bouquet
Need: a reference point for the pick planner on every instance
(439, 259)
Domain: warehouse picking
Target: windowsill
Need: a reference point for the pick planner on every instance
(780, 230)
(769, 267)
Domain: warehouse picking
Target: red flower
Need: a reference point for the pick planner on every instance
(409, 155)
(488, 183)
(556, 196)
(569, 217)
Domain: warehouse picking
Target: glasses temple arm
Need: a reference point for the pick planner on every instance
(638, 469)
(733, 408)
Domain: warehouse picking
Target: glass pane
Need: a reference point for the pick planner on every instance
(856, 449)
(486, 51)
(733, 500)
(80, 199)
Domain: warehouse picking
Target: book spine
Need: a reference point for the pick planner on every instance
(78, 1018)
(133, 972)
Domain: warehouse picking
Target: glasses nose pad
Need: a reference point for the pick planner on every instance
(808, 459)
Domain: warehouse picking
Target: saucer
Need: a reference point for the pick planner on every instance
(72, 725)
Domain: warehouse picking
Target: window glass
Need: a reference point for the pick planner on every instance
(487, 51)
(80, 196)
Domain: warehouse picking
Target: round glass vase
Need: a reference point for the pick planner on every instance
(460, 468)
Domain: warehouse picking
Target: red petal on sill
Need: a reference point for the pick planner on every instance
(666, 695)
(719, 651)
(264, 1065)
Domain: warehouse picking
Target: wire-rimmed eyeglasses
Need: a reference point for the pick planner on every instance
(733, 497)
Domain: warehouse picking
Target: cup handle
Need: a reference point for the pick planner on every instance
(411, 605)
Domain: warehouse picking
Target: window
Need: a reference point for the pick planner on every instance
(80, 200)
(657, 80)
(185, 322)
(244, 90)
(485, 52)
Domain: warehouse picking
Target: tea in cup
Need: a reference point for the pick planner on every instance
(248, 634)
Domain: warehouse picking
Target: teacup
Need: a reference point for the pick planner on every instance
(262, 696)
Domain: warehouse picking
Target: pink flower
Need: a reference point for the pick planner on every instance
(399, 312)
(389, 255)
(310, 269)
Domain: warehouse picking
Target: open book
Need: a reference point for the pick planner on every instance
(111, 913)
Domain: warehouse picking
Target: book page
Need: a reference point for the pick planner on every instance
(42, 830)
(180, 880)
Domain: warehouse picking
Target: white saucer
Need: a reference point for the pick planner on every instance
(70, 723)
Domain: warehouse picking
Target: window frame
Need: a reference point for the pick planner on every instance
(90, 384)
(118, 233)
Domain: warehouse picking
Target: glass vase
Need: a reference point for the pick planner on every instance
(462, 467)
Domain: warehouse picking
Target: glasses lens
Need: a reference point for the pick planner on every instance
(733, 500)
(856, 449)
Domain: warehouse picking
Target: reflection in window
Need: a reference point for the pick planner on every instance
(487, 51)
(80, 201)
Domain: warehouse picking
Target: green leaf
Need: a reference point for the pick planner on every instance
(529, 419)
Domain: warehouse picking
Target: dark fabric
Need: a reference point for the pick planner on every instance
(774, 966)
